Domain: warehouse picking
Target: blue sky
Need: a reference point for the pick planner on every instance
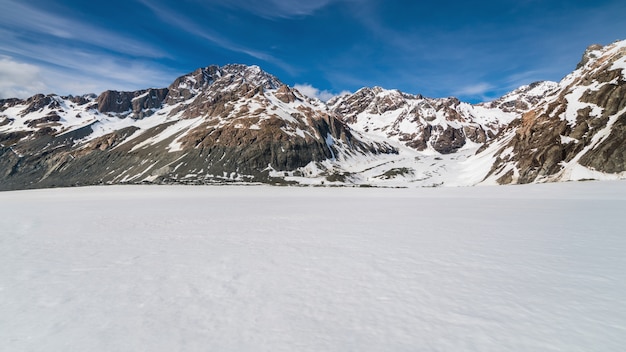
(474, 50)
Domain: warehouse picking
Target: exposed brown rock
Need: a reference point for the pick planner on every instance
(588, 55)
(285, 94)
(475, 134)
(136, 104)
(38, 102)
(52, 117)
(545, 141)
(9, 103)
(239, 132)
(610, 155)
(5, 121)
(447, 140)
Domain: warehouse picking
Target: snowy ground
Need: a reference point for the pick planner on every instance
(160, 268)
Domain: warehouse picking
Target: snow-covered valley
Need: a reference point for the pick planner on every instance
(257, 268)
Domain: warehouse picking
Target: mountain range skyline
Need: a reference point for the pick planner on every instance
(238, 123)
(476, 52)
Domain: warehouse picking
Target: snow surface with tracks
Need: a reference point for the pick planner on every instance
(256, 268)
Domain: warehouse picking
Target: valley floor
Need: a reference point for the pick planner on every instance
(258, 268)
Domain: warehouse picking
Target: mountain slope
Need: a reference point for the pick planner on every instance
(237, 123)
(442, 125)
(234, 123)
(578, 131)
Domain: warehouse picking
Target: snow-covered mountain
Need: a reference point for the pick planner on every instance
(577, 131)
(216, 124)
(443, 125)
(237, 123)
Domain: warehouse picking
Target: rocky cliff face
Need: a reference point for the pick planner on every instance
(577, 130)
(238, 123)
(136, 105)
(235, 123)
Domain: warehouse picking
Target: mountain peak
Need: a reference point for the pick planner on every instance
(226, 78)
(592, 52)
(239, 123)
(524, 97)
(252, 75)
(596, 52)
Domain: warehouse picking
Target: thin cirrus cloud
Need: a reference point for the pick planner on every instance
(312, 92)
(477, 51)
(20, 17)
(479, 89)
(188, 25)
(481, 52)
(64, 70)
(45, 52)
(276, 8)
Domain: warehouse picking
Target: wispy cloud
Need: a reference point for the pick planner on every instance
(69, 71)
(445, 55)
(312, 92)
(330, 44)
(187, 24)
(19, 80)
(95, 73)
(19, 17)
(44, 51)
(478, 89)
(276, 8)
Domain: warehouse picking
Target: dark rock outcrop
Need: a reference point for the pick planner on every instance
(136, 104)
(38, 102)
(582, 122)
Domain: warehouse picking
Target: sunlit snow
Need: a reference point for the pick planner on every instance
(255, 268)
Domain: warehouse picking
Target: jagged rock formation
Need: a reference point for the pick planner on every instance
(444, 125)
(234, 123)
(137, 104)
(577, 130)
(237, 123)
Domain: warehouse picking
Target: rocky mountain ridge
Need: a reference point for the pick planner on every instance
(237, 123)
(578, 131)
(216, 124)
(444, 125)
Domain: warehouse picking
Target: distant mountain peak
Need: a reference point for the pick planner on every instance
(238, 123)
(227, 77)
(595, 51)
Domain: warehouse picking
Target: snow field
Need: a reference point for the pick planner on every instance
(176, 268)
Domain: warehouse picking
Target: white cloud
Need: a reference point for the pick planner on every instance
(33, 62)
(19, 80)
(91, 73)
(312, 92)
(478, 89)
(79, 74)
